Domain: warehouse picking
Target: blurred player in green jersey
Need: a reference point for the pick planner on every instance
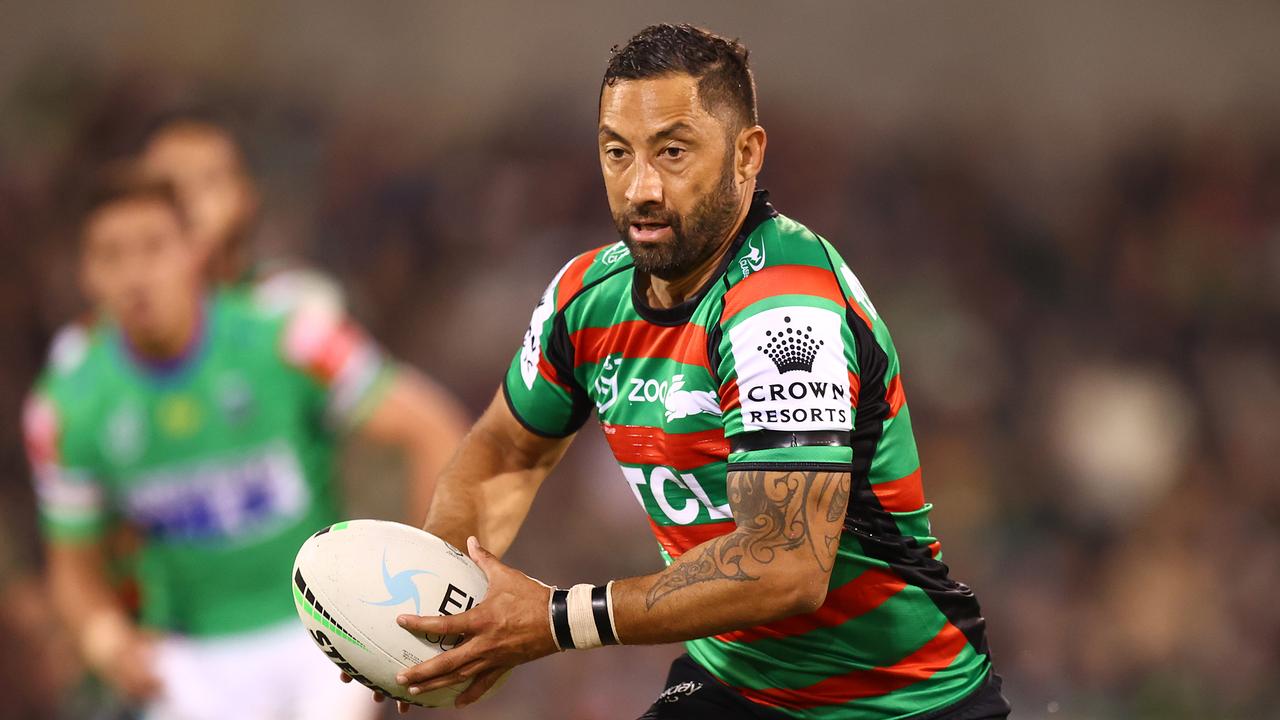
(751, 394)
(200, 154)
(208, 424)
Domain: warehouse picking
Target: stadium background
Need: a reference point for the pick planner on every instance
(1069, 215)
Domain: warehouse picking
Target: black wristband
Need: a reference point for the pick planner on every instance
(560, 618)
(600, 611)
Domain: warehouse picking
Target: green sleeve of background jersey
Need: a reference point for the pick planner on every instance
(788, 369)
(539, 386)
(70, 497)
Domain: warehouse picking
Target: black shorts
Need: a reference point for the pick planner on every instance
(692, 693)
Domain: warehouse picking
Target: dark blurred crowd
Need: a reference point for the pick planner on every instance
(1091, 354)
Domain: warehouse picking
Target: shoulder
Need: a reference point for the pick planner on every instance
(71, 345)
(255, 336)
(781, 258)
(785, 258)
(76, 362)
(240, 322)
(60, 405)
(589, 271)
(280, 288)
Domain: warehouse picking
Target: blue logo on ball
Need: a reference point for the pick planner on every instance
(400, 587)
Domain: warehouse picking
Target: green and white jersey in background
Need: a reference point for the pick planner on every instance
(223, 459)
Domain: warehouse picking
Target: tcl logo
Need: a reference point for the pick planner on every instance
(692, 497)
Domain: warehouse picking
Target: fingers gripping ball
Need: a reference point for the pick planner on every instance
(351, 581)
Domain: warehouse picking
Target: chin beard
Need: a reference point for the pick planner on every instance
(695, 238)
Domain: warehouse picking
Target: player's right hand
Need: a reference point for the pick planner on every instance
(122, 655)
(401, 707)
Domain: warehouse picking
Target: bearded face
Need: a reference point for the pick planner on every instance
(667, 244)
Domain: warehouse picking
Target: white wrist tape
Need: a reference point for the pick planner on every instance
(582, 621)
(582, 617)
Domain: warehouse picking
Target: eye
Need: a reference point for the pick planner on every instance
(672, 152)
(615, 153)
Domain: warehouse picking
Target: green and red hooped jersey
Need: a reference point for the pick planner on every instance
(223, 461)
(781, 362)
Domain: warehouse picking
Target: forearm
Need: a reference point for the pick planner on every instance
(85, 600)
(489, 485)
(775, 564)
(424, 423)
(107, 637)
(477, 495)
(700, 595)
(457, 508)
(425, 466)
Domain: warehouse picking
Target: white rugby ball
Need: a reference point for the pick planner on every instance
(352, 579)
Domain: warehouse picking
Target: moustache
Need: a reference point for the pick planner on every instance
(636, 216)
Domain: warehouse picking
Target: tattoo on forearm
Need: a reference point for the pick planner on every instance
(773, 511)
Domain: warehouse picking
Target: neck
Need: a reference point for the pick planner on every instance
(229, 263)
(669, 293)
(173, 343)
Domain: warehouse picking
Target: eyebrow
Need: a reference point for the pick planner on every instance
(671, 130)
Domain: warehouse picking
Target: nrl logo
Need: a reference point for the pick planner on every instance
(791, 348)
(606, 385)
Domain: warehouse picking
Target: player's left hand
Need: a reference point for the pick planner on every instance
(508, 628)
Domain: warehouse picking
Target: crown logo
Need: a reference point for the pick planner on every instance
(791, 348)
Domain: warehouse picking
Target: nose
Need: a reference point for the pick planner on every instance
(646, 185)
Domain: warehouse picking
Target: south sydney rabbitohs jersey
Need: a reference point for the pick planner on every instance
(223, 461)
(780, 363)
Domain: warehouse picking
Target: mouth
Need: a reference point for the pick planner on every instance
(650, 232)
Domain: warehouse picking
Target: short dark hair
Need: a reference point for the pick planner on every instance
(719, 64)
(122, 183)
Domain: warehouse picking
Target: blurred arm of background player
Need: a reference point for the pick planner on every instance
(489, 486)
(421, 419)
(111, 643)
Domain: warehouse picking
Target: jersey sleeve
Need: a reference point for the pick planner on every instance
(342, 362)
(788, 370)
(70, 496)
(540, 388)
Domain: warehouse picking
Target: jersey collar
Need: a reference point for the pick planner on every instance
(760, 211)
(171, 368)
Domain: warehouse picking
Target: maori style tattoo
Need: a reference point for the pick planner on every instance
(776, 511)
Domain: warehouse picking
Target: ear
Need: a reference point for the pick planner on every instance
(749, 153)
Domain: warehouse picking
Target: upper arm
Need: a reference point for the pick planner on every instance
(788, 371)
(70, 560)
(523, 448)
(786, 510)
(346, 368)
(412, 404)
(539, 389)
(70, 497)
(788, 532)
(789, 389)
